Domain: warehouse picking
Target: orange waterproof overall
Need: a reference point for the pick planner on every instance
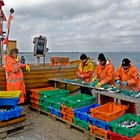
(130, 75)
(14, 76)
(105, 74)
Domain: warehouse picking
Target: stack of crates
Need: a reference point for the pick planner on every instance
(72, 102)
(103, 115)
(34, 97)
(9, 108)
(50, 101)
(123, 133)
(83, 116)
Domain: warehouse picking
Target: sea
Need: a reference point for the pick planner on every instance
(115, 57)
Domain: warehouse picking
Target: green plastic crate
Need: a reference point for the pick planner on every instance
(44, 107)
(79, 100)
(52, 93)
(55, 103)
(123, 130)
(81, 123)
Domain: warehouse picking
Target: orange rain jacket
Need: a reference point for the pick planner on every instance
(14, 76)
(105, 74)
(86, 70)
(130, 75)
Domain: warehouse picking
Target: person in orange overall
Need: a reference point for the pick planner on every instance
(127, 75)
(85, 72)
(14, 75)
(104, 71)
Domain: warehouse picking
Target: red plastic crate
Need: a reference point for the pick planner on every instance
(67, 110)
(108, 112)
(67, 117)
(98, 131)
(115, 136)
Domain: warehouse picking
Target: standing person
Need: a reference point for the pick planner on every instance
(127, 75)
(85, 72)
(104, 71)
(14, 75)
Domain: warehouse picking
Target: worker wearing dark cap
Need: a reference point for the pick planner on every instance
(85, 72)
(127, 75)
(104, 71)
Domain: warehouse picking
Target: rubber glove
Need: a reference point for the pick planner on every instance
(27, 68)
(118, 82)
(99, 84)
(17, 59)
(94, 79)
(125, 83)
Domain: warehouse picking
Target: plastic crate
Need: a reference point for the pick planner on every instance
(9, 101)
(10, 94)
(108, 112)
(84, 112)
(125, 131)
(98, 131)
(36, 105)
(55, 111)
(79, 100)
(81, 123)
(14, 113)
(115, 136)
(67, 117)
(44, 107)
(67, 110)
(33, 99)
(53, 102)
(35, 92)
(46, 95)
(99, 123)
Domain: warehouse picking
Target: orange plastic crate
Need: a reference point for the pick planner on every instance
(98, 131)
(67, 110)
(67, 117)
(37, 90)
(33, 99)
(137, 137)
(35, 105)
(108, 112)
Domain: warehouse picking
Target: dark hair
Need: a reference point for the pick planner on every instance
(14, 50)
(101, 57)
(83, 56)
(126, 62)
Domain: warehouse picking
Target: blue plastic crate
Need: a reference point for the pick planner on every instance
(84, 112)
(55, 111)
(9, 101)
(15, 112)
(99, 123)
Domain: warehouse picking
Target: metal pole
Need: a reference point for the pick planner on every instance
(44, 59)
(1, 47)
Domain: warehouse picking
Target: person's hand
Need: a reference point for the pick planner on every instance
(27, 68)
(125, 83)
(94, 79)
(118, 82)
(99, 84)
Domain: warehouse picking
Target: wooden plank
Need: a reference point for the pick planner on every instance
(20, 119)
(14, 129)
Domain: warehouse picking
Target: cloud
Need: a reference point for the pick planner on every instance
(69, 25)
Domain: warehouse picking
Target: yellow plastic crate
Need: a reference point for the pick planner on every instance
(10, 94)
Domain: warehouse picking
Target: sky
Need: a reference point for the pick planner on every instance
(77, 25)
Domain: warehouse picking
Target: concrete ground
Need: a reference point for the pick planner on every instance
(44, 128)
